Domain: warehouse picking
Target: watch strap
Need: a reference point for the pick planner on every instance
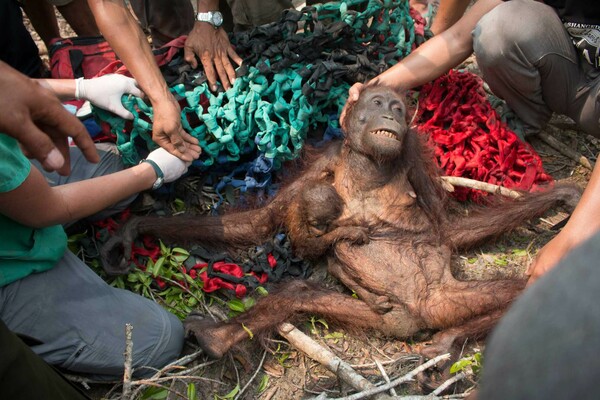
(159, 174)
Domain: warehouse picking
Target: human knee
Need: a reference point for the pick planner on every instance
(509, 27)
(159, 350)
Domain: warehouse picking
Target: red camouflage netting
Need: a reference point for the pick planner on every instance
(471, 141)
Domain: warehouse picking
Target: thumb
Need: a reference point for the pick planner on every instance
(121, 111)
(132, 88)
(190, 57)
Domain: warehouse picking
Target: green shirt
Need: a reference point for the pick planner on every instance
(23, 250)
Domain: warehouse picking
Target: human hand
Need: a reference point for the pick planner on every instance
(168, 133)
(214, 50)
(353, 94)
(106, 92)
(38, 121)
(549, 256)
(171, 166)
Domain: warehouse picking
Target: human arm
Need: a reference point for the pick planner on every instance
(448, 12)
(583, 223)
(127, 39)
(37, 119)
(36, 204)
(433, 58)
(213, 48)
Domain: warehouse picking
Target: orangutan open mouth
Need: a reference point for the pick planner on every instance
(387, 134)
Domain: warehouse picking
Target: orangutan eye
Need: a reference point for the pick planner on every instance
(398, 110)
(377, 102)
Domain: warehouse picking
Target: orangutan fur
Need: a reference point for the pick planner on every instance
(374, 206)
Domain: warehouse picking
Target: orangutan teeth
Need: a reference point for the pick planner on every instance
(387, 134)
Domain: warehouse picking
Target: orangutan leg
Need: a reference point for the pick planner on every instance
(466, 309)
(291, 299)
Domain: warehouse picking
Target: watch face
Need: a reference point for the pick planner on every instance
(158, 183)
(217, 18)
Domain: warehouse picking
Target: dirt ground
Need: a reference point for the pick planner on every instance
(284, 373)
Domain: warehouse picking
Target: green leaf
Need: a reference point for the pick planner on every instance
(191, 392)
(501, 261)
(236, 305)
(157, 266)
(192, 301)
(263, 384)
(155, 393)
(180, 258)
(334, 335)
(460, 365)
(262, 291)
(322, 322)
(163, 249)
(180, 250)
(229, 395)
(249, 302)
(519, 252)
(178, 205)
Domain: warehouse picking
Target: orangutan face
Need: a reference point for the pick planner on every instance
(377, 123)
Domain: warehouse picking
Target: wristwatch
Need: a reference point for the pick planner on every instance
(215, 18)
(160, 178)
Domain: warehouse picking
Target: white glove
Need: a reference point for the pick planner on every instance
(171, 166)
(106, 91)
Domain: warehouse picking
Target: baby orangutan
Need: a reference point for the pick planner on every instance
(374, 206)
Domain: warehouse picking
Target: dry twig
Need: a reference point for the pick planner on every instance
(385, 376)
(473, 184)
(444, 385)
(317, 352)
(125, 395)
(564, 149)
(405, 378)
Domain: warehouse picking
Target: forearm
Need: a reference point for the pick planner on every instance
(129, 42)
(36, 204)
(207, 5)
(430, 61)
(448, 13)
(84, 198)
(439, 54)
(64, 89)
(585, 220)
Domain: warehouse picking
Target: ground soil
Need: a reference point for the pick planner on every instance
(292, 375)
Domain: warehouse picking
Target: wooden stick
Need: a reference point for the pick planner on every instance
(128, 362)
(386, 377)
(317, 352)
(449, 382)
(486, 187)
(398, 381)
(564, 149)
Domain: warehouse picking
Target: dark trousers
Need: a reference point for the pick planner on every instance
(546, 346)
(24, 375)
(17, 48)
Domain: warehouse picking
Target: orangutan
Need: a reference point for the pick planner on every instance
(374, 206)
